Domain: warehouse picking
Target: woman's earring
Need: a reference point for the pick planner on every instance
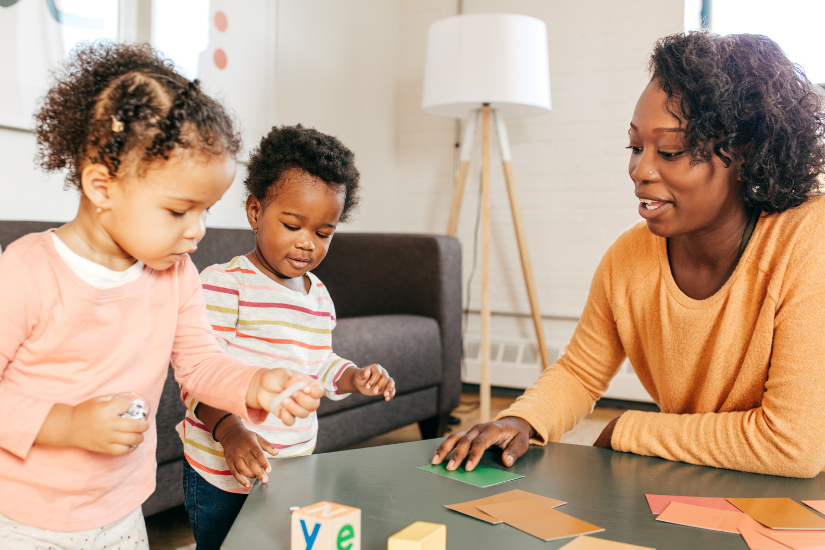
(254, 231)
(100, 210)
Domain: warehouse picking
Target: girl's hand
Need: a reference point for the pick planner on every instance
(96, 425)
(373, 380)
(268, 383)
(244, 452)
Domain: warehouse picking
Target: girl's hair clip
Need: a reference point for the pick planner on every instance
(117, 126)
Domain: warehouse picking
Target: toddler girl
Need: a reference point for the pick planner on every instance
(267, 306)
(99, 306)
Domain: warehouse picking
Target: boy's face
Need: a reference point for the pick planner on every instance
(159, 217)
(296, 226)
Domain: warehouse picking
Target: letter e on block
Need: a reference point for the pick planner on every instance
(326, 526)
(419, 536)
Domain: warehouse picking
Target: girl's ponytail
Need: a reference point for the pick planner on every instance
(123, 105)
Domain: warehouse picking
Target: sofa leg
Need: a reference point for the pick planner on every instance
(434, 426)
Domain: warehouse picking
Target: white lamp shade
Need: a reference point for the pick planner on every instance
(494, 58)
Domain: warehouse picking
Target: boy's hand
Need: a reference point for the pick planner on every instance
(268, 383)
(244, 453)
(374, 380)
(96, 425)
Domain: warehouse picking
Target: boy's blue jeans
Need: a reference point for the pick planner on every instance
(211, 510)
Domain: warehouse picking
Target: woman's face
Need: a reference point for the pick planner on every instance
(677, 197)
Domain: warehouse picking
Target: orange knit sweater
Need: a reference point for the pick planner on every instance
(739, 376)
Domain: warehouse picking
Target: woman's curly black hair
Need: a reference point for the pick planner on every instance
(117, 103)
(307, 149)
(740, 93)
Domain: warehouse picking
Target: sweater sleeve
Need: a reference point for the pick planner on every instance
(566, 392)
(19, 304)
(208, 374)
(786, 434)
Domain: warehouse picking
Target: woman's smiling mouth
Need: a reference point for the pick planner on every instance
(652, 204)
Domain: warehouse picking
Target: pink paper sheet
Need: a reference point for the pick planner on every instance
(658, 503)
(758, 541)
(707, 518)
(798, 540)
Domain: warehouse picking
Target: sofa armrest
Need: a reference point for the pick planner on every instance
(414, 274)
(11, 230)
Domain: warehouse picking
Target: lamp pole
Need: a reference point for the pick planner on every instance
(486, 113)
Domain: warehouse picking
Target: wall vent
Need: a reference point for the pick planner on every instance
(517, 364)
(513, 363)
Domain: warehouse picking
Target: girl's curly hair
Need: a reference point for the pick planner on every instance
(307, 149)
(740, 93)
(117, 103)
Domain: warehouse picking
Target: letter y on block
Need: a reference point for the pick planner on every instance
(334, 527)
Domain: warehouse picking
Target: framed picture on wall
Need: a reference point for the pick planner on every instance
(35, 38)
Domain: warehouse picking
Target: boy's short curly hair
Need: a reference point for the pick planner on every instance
(741, 93)
(117, 103)
(307, 149)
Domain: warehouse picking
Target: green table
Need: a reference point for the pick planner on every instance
(602, 487)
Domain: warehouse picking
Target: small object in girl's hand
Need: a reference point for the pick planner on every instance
(137, 410)
(275, 404)
(293, 508)
(140, 405)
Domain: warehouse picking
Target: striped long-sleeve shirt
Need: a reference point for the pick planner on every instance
(263, 323)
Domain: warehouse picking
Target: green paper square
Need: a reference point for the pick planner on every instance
(481, 476)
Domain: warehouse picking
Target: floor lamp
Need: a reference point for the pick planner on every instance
(489, 67)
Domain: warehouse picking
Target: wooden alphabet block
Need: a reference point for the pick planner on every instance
(326, 526)
(420, 536)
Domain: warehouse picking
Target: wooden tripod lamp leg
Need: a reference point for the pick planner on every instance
(507, 162)
(484, 389)
(463, 167)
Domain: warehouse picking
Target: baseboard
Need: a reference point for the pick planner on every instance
(605, 402)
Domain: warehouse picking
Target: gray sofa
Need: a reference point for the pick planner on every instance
(398, 300)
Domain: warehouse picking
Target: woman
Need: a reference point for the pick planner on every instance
(718, 297)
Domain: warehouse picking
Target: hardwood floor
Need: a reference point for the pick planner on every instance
(170, 530)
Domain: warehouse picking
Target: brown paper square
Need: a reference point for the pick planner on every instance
(470, 508)
(538, 519)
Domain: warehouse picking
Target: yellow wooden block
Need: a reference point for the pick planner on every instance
(419, 536)
(326, 526)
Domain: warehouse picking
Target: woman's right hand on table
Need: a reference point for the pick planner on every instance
(511, 434)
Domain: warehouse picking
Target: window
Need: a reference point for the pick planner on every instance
(180, 30)
(35, 37)
(796, 25)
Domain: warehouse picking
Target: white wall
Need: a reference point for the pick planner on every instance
(26, 193)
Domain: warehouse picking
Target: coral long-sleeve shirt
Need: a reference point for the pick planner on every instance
(739, 376)
(65, 341)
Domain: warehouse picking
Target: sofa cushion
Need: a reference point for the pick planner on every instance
(408, 346)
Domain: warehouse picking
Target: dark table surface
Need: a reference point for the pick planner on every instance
(602, 487)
